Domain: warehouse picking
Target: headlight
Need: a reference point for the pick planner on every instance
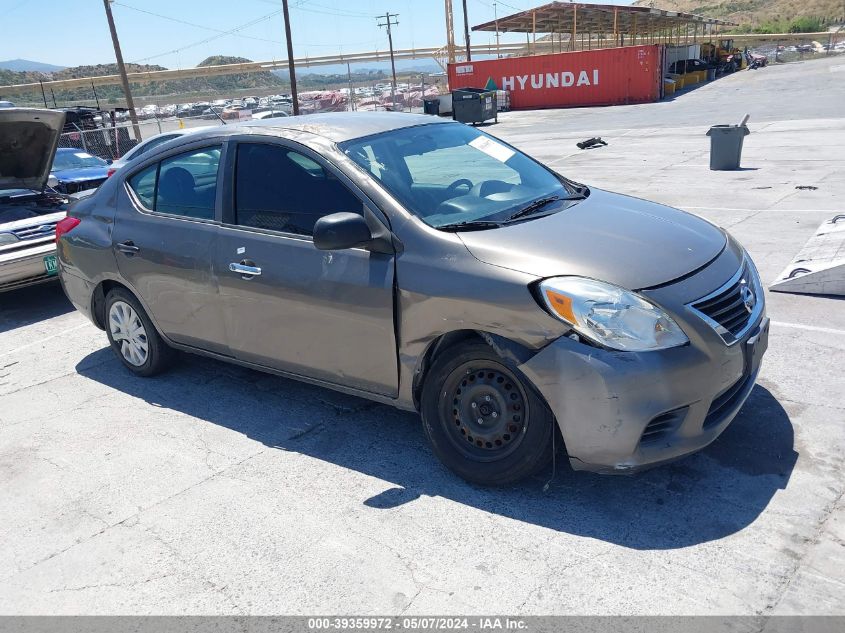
(609, 315)
(7, 238)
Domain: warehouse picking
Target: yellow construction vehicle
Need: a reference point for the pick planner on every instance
(724, 55)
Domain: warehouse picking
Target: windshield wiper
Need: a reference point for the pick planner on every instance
(535, 206)
(469, 225)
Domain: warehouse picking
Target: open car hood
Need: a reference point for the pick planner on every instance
(28, 141)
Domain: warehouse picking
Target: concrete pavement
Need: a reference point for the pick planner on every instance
(215, 489)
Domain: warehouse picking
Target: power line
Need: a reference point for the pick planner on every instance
(17, 6)
(211, 39)
(327, 10)
(199, 26)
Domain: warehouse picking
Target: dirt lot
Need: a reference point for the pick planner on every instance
(214, 489)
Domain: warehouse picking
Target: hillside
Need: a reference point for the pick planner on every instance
(112, 94)
(763, 15)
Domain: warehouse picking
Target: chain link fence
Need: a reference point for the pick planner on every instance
(112, 142)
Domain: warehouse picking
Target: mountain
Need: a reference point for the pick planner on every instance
(26, 65)
(767, 16)
(402, 65)
(114, 93)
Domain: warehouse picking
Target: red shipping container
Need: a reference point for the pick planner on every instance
(609, 76)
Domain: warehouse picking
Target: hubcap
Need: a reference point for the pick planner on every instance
(484, 411)
(128, 332)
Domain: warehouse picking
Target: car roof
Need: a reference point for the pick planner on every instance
(339, 126)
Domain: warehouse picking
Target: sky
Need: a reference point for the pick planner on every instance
(181, 33)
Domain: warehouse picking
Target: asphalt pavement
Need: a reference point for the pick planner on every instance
(214, 489)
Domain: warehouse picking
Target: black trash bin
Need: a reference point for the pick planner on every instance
(474, 105)
(726, 146)
(431, 106)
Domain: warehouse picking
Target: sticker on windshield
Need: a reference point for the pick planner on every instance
(82, 155)
(492, 148)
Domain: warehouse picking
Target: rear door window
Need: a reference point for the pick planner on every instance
(183, 185)
(187, 184)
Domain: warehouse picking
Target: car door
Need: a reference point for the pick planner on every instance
(164, 234)
(327, 315)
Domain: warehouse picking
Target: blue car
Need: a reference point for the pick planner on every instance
(76, 170)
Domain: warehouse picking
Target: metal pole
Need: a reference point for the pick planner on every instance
(496, 18)
(122, 69)
(466, 31)
(388, 23)
(351, 91)
(43, 94)
(291, 69)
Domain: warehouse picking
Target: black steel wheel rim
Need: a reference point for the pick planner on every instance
(484, 410)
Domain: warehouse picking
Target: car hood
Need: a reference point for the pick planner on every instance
(28, 141)
(81, 173)
(618, 239)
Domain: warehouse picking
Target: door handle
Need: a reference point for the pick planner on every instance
(128, 248)
(244, 270)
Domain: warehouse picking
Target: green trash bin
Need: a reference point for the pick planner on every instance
(726, 146)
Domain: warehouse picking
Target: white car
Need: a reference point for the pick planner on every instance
(145, 146)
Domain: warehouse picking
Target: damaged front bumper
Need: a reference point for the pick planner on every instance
(621, 411)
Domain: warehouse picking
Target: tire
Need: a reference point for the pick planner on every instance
(470, 384)
(133, 336)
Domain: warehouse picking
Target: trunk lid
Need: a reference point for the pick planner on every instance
(625, 241)
(28, 141)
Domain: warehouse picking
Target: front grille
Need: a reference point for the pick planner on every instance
(732, 308)
(48, 229)
(725, 401)
(663, 425)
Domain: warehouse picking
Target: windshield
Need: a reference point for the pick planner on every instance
(76, 160)
(448, 174)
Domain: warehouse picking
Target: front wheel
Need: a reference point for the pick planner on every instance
(484, 420)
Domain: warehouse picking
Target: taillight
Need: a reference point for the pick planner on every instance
(66, 226)
(110, 172)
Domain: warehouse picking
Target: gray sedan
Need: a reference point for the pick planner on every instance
(427, 265)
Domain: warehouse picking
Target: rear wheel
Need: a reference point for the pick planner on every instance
(133, 337)
(484, 420)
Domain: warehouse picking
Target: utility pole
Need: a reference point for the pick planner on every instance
(291, 69)
(122, 69)
(496, 18)
(388, 22)
(450, 33)
(466, 32)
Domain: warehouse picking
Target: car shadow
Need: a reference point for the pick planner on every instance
(704, 497)
(26, 306)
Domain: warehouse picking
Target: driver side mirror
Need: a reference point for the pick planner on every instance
(341, 230)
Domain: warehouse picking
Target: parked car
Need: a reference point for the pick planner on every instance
(6, 104)
(269, 114)
(687, 66)
(29, 209)
(422, 263)
(75, 170)
(145, 146)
